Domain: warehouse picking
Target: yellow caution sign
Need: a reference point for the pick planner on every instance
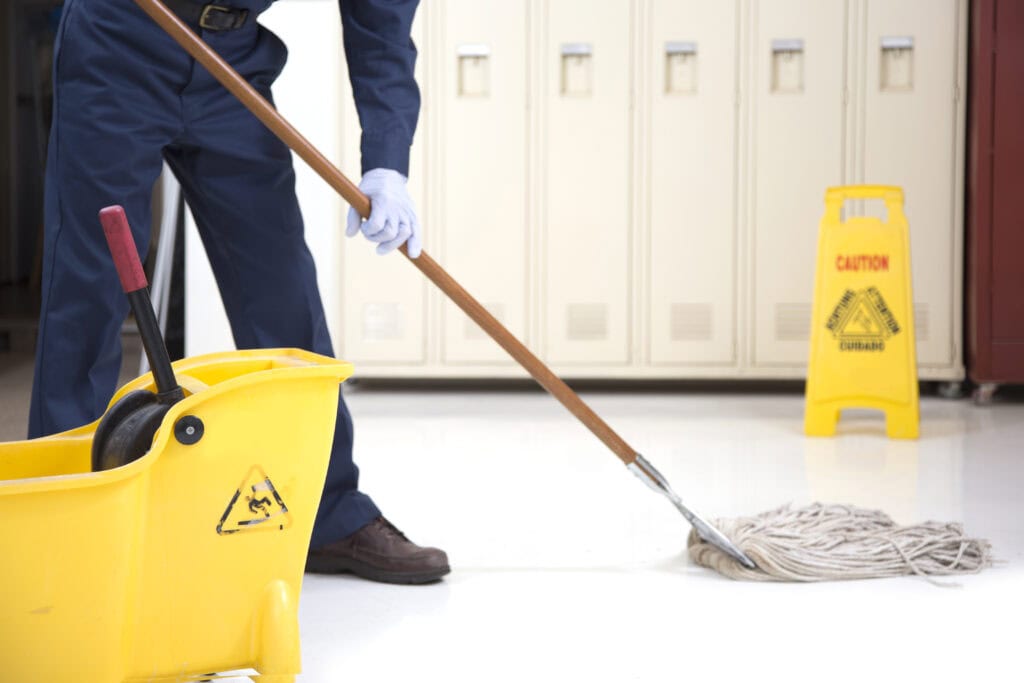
(862, 330)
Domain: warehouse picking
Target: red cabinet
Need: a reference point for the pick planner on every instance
(995, 200)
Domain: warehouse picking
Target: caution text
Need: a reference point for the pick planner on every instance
(863, 262)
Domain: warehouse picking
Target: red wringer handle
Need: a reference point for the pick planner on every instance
(133, 280)
(122, 248)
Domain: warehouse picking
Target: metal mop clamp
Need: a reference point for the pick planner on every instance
(277, 124)
(649, 475)
(126, 431)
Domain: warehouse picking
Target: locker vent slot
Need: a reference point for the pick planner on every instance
(383, 322)
(792, 322)
(690, 322)
(922, 322)
(587, 322)
(471, 331)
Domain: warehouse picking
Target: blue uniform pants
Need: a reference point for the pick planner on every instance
(126, 98)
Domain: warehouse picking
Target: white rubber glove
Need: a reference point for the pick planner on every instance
(393, 219)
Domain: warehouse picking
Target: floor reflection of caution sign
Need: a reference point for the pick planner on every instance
(862, 333)
(256, 505)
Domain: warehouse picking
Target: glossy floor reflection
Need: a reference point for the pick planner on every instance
(566, 568)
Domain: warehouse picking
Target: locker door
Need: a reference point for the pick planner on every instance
(586, 142)
(911, 122)
(797, 151)
(483, 149)
(692, 58)
(384, 297)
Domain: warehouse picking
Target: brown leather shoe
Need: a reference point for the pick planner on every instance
(379, 552)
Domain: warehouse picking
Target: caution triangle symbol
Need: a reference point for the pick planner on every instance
(862, 321)
(256, 505)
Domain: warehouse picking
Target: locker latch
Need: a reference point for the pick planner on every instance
(897, 63)
(788, 65)
(680, 67)
(577, 68)
(474, 70)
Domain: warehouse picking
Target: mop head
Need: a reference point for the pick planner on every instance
(832, 542)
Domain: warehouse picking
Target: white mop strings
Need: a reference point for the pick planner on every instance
(831, 542)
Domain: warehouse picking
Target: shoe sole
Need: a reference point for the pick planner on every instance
(337, 565)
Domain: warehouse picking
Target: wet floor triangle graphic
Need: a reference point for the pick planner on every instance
(255, 505)
(862, 321)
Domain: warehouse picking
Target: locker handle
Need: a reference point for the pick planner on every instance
(680, 47)
(473, 50)
(788, 45)
(897, 43)
(577, 49)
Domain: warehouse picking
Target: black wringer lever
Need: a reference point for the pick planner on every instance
(126, 431)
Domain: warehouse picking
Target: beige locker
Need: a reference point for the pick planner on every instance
(911, 117)
(483, 156)
(691, 53)
(384, 311)
(635, 186)
(586, 228)
(796, 152)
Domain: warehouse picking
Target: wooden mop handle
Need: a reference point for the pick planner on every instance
(266, 113)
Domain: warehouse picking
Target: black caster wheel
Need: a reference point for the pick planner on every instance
(951, 390)
(984, 392)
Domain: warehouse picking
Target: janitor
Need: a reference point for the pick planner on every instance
(127, 98)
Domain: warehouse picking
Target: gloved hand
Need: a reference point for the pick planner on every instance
(393, 219)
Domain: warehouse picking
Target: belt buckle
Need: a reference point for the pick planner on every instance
(207, 21)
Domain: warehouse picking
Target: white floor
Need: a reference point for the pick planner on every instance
(566, 568)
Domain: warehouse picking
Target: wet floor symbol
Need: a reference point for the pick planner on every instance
(256, 504)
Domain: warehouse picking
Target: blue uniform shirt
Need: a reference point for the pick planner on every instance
(381, 61)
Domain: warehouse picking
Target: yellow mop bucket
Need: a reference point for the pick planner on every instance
(186, 561)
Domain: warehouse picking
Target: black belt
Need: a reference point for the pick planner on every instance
(210, 17)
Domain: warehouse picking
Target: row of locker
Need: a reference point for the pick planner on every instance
(634, 186)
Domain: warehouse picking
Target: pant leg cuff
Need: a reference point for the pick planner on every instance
(346, 515)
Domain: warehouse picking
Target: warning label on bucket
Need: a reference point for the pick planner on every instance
(255, 505)
(862, 321)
